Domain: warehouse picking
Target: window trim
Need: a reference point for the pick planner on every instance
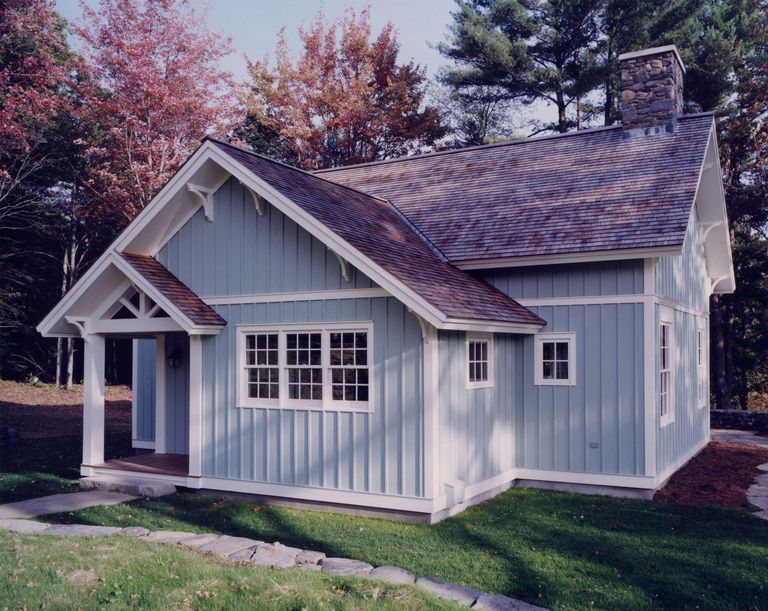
(666, 318)
(539, 340)
(479, 337)
(702, 369)
(283, 402)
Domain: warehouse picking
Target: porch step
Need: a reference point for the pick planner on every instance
(137, 486)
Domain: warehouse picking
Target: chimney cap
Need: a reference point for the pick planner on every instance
(654, 51)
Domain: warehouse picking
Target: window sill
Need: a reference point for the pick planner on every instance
(479, 385)
(665, 422)
(330, 408)
(555, 383)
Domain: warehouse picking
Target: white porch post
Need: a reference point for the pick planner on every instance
(93, 401)
(430, 348)
(160, 394)
(195, 405)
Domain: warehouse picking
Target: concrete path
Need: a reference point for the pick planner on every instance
(745, 437)
(60, 503)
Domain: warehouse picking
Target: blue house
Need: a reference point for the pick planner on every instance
(419, 334)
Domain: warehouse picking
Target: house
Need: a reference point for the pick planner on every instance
(416, 335)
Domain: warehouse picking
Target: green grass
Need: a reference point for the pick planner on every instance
(119, 573)
(559, 550)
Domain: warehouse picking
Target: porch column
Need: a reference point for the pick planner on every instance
(195, 405)
(160, 394)
(93, 400)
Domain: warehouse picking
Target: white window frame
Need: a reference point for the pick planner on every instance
(283, 402)
(666, 319)
(488, 339)
(539, 340)
(702, 361)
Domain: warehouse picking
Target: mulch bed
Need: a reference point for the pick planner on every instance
(717, 477)
(37, 412)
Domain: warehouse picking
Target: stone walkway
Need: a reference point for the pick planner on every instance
(757, 493)
(61, 503)
(277, 556)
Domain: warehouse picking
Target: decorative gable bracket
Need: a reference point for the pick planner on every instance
(205, 195)
(258, 201)
(345, 268)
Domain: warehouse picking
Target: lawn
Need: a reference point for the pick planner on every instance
(120, 573)
(564, 551)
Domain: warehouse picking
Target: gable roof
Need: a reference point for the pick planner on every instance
(173, 289)
(381, 233)
(587, 191)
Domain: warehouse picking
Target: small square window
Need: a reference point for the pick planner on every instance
(479, 364)
(555, 359)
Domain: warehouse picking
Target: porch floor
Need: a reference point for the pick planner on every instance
(159, 464)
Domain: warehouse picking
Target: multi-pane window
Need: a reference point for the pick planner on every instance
(479, 361)
(261, 364)
(665, 372)
(307, 366)
(555, 362)
(349, 366)
(701, 367)
(303, 360)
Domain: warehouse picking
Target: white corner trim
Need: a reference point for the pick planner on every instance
(649, 371)
(371, 293)
(205, 195)
(431, 400)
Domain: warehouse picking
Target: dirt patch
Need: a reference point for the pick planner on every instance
(717, 477)
(83, 578)
(38, 412)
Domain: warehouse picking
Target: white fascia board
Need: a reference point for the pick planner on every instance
(575, 257)
(483, 326)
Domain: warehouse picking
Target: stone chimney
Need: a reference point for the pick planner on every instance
(651, 90)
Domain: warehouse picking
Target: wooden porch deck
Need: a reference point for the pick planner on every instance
(157, 464)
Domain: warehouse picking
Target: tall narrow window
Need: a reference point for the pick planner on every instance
(665, 373)
(349, 366)
(479, 361)
(303, 359)
(261, 363)
(701, 367)
(555, 359)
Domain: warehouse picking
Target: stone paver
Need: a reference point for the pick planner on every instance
(61, 503)
(276, 556)
(762, 480)
(735, 436)
(310, 560)
(168, 536)
(763, 467)
(763, 515)
(224, 546)
(81, 530)
(761, 502)
(392, 574)
(497, 602)
(245, 553)
(448, 591)
(346, 566)
(757, 490)
(136, 531)
(23, 526)
(130, 485)
(199, 540)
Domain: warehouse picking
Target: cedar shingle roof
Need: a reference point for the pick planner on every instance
(380, 232)
(587, 191)
(199, 312)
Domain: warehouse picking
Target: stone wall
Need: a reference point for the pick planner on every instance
(739, 419)
(652, 90)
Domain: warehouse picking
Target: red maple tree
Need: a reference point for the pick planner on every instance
(345, 99)
(155, 90)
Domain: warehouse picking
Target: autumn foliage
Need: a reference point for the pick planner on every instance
(344, 99)
(155, 90)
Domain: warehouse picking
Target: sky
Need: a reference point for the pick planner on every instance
(253, 24)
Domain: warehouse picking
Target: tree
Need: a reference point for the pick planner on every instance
(155, 90)
(344, 100)
(36, 67)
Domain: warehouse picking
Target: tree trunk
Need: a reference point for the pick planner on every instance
(562, 124)
(59, 348)
(70, 362)
(579, 114)
(718, 351)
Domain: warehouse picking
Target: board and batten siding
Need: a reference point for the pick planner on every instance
(684, 278)
(476, 430)
(597, 425)
(143, 387)
(568, 280)
(242, 253)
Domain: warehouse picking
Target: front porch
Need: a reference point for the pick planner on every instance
(176, 465)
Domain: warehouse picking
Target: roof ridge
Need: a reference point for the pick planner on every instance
(493, 145)
(291, 167)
